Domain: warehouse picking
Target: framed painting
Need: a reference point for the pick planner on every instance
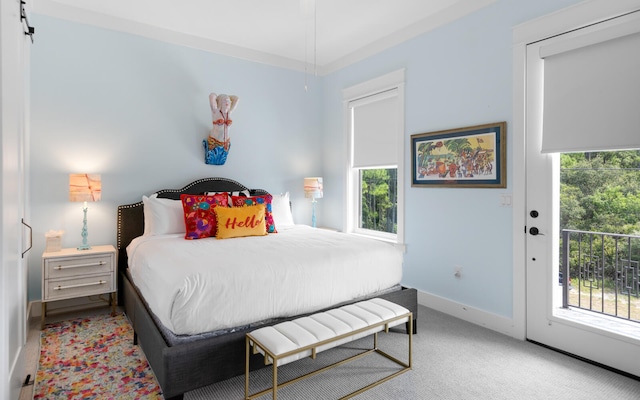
(471, 157)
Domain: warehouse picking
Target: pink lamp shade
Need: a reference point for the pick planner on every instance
(313, 187)
(85, 187)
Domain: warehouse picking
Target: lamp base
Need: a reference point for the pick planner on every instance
(313, 213)
(85, 231)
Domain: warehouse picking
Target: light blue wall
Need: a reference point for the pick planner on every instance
(136, 111)
(457, 75)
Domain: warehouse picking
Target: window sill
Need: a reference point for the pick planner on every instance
(397, 245)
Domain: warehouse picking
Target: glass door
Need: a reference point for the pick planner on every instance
(548, 322)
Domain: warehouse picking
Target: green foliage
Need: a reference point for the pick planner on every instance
(600, 191)
(379, 197)
(571, 208)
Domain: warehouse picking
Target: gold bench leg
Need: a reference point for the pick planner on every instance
(275, 379)
(410, 339)
(246, 370)
(274, 388)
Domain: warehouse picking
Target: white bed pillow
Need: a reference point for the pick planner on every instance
(162, 216)
(281, 211)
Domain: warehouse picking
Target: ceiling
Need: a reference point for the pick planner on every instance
(299, 34)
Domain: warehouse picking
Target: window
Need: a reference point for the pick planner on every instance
(379, 200)
(374, 112)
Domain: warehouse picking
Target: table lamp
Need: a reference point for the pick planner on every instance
(85, 188)
(313, 189)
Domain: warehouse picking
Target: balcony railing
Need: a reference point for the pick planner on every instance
(600, 273)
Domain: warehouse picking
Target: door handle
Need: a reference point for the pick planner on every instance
(30, 237)
(535, 231)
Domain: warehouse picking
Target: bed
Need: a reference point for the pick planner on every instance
(193, 339)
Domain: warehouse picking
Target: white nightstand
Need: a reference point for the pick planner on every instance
(72, 273)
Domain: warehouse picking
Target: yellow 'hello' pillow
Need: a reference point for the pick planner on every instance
(240, 221)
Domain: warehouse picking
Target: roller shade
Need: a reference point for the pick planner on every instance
(592, 91)
(375, 130)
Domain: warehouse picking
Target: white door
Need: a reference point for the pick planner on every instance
(13, 128)
(546, 322)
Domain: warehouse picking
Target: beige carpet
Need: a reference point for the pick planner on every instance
(453, 360)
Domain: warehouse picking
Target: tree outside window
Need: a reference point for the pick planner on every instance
(379, 206)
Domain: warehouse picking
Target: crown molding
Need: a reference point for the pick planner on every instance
(74, 14)
(441, 18)
(54, 9)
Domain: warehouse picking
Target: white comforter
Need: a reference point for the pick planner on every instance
(197, 286)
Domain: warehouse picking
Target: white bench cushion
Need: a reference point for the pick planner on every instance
(292, 335)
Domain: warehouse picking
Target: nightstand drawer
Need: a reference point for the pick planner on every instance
(83, 286)
(73, 273)
(78, 266)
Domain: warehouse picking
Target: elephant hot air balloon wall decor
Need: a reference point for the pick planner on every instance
(217, 145)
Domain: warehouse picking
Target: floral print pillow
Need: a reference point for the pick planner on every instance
(199, 214)
(241, 201)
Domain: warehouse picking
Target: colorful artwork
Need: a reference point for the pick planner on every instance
(217, 145)
(465, 157)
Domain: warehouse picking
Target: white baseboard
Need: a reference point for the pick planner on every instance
(16, 373)
(31, 309)
(34, 309)
(467, 313)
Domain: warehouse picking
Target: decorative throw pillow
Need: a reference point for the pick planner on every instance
(240, 221)
(241, 201)
(199, 215)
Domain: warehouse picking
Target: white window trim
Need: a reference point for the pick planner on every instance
(390, 81)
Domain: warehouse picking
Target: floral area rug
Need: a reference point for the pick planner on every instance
(93, 358)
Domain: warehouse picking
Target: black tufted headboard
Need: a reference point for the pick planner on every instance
(131, 216)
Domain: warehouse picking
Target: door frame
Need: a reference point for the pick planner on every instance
(559, 22)
(14, 100)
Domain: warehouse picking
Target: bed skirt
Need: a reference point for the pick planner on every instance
(185, 366)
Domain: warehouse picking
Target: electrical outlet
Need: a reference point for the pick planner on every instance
(457, 271)
(506, 200)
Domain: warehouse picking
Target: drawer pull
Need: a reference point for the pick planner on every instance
(59, 267)
(101, 282)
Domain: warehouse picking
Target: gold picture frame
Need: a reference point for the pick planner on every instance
(469, 157)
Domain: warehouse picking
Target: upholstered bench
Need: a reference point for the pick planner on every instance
(307, 336)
